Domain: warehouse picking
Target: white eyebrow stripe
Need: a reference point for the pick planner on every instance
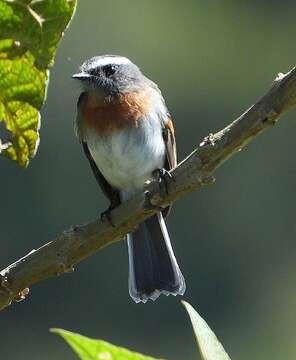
(112, 60)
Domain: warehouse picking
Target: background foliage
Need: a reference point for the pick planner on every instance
(91, 349)
(235, 241)
(29, 35)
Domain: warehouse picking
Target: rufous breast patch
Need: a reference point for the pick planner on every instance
(106, 115)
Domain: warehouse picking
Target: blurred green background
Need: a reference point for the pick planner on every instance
(235, 241)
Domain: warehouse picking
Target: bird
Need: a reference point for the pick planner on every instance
(127, 135)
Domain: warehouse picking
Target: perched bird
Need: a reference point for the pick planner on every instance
(127, 134)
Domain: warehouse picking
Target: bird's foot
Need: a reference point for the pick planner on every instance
(114, 202)
(106, 215)
(163, 176)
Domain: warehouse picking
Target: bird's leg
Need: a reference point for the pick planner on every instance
(115, 201)
(162, 175)
(107, 215)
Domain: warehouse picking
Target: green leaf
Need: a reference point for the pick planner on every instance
(91, 349)
(30, 31)
(209, 346)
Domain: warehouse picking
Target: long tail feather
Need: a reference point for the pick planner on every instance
(152, 263)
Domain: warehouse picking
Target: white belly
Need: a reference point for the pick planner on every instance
(128, 158)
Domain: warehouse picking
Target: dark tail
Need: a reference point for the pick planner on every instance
(153, 269)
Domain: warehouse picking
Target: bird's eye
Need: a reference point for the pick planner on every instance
(110, 69)
(94, 72)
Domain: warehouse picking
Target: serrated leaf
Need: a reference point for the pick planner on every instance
(209, 346)
(30, 31)
(91, 349)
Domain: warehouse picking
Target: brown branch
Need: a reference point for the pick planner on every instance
(74, 245)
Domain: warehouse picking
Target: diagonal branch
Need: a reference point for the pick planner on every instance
(73, 245)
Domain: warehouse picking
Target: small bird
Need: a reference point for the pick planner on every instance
(127, 134)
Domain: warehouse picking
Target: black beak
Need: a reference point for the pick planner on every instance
(81, 76)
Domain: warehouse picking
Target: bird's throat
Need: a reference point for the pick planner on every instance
(112, 113)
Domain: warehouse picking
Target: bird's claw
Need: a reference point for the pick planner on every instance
(162, 176)
(107, 215)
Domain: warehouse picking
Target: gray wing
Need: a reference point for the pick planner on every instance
(170, 145)
(111, 193)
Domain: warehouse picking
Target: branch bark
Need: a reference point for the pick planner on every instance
(73, 245)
